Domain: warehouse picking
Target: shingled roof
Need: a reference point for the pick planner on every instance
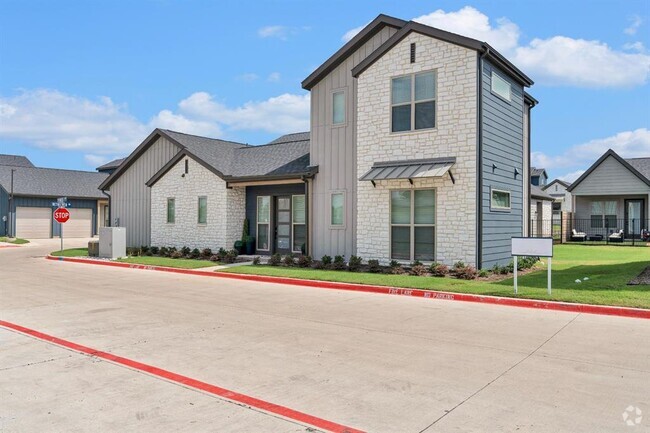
(111, 165)
(642, 165)
(537, 192)
(15, 160)
(50, 182)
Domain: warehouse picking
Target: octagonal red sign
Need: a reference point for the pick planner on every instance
(61, 215)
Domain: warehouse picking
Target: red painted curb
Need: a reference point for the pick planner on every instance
(638, 313)
(189, 382)
(9, 246)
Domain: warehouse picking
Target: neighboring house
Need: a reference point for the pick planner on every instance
(15, 161)
(538, 176)
(419, 150)
(110, 167)
(612, 195)
(28, 212)
(541, 212)
(561, 198)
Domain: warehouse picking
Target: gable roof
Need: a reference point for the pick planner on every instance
(15, 160)
(213, 150)
(640, 167)
(538, 172)
(482, 47)
(51, 182)
(537, 192)
(111, 165)
(283, 158)
(560, 181)
(350, 47)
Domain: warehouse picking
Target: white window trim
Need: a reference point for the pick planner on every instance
(198, 210)
(500, 208)
(412, 225)
(257, 223)
(340, 226)
(345, 108)
(496, 74)
(167, 210)
(412, 102)
(294, 224)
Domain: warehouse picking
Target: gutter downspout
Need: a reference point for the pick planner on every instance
(479, 161)
(110, 208)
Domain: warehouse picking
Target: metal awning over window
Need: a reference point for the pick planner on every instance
(413, 169)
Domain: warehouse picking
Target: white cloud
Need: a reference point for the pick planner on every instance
(557, 60)
(273, 32)
(634, 46)
(248, 77)
(572, 176)
(628, 144)
(50, 119)
(470, 22)
(353, 32)
(274, 77)
(635, 23)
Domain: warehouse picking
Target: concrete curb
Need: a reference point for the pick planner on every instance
(638, 313)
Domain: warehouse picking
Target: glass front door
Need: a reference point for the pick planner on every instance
(634, 218)
(283, 225)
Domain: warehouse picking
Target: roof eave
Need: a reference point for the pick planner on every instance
(301, 175)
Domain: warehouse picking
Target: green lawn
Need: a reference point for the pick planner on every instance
(608, 268)
(172, 263)
(71, 252)
(16, 241)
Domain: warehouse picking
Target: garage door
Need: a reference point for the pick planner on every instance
(79, 225)
(33, 222)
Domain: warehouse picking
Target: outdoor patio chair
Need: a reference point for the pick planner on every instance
(578, 236)
(617, 236)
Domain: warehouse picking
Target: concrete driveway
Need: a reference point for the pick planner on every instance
(372, 362)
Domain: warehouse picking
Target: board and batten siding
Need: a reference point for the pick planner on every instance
(333, 150)
(502, 146)
(610, 177)
(131, 197)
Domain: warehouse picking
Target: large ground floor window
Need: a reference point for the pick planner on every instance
(298, 222)
(263, 222)
(603, 212)
(413, 224)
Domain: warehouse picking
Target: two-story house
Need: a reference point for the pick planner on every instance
(419, 149)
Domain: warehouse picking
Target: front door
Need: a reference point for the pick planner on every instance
(634, 218)
(283, 224)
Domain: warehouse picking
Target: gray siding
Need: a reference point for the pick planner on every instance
(131, 197)
(4, 211)
(611, 177)
(333, 150)
(47, 202)
(503, 146)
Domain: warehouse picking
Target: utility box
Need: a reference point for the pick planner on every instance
(112, 242)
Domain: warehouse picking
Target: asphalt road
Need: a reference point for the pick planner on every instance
(372, 362)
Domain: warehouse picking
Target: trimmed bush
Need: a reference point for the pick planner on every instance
(176, 255)
(214, 258)
(338, 263)
(419, 270)
(373, 266)
(195, 253)
(185, 251)
(230, 257)
(289, 260)
(355, 263)
(155, 251)
(459, 266)
(206, 252)
(305, 261)
(438, 269)
(326, 261)
(256, 260)
(275, 259)
(467, 273)
(416, 263)
(163, 252)
(483, 273)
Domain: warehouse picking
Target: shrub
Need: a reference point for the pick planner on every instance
(527, 262)
(394, 264)
(275, 259)
(467, 273)
(155, 251)
(206, 252)
(438, 269)
(289, 260)
(230, 257)
(459, 266)
(305, 261)
(185, 251)
(338, 263)
(397, 270)
(416, 263)
(214, 258)
(176, 255)
(256, 260)
(483, 273)
(195, 253)
(163, 252)
(355, 263)
(373, 266)
(419, 270)
(326, 261)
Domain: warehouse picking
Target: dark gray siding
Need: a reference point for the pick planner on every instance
(4, 211)
(252, 192)
(47, 202)
(502, 146)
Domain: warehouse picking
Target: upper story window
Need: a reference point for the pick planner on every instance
(203, 210)
(338, 108)
(337, 203)
(500, 86)
(171, 210)
(413, 102)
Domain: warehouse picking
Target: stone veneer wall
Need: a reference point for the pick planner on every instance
(546, 229)
(454, 135)
(226, 209)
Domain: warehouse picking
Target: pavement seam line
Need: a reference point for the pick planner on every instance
(500, 375)
(233, 396)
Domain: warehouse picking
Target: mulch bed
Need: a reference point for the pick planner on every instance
(642, 279)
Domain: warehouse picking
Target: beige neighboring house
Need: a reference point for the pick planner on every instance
(562, 200)
(612, 196)
(541, 213)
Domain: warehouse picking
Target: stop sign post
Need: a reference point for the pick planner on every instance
(61, 215)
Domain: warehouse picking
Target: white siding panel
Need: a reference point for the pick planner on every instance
(611, 177)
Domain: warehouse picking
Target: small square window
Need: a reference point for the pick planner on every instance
(500, 200)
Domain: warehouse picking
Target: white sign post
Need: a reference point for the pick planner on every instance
(538, 247)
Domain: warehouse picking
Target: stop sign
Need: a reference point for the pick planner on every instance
(61, 215)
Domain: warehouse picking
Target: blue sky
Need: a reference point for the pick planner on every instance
(84, 82)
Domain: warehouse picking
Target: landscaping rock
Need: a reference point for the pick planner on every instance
(642, 279)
